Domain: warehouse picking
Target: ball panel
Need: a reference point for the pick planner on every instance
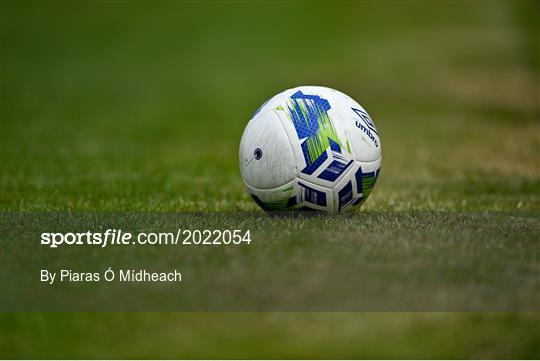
(356, 187)
(298, 194)
(275, 199)
(266, 158)
(311, 196)
(361, 132)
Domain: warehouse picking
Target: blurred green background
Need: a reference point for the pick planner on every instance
(117, 106)
(140, 106)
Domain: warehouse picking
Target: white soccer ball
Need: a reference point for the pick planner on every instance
(310, 148)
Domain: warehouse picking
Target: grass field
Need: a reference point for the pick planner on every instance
(141, 107)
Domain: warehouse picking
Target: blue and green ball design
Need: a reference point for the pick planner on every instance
(364, 183)
(319, 140)
(309, 114)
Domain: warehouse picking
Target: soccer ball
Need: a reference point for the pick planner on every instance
(310, 148)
